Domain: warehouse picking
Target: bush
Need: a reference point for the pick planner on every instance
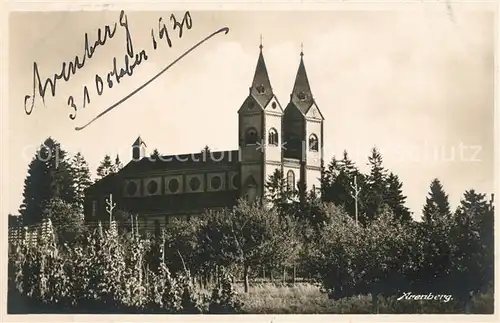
(104, 275)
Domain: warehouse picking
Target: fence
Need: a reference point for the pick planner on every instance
(30, 235)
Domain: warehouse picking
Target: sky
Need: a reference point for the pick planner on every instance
(418, 85)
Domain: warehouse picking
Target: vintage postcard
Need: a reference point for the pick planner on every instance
(173, 160)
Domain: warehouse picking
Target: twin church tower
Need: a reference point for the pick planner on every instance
(289, 139)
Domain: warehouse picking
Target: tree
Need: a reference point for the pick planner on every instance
(473, 255)
(338, 181)
(81, 176)
(278, 195)
(248, 236)
(334, 254)
(155, 155)
(436, 245)
(118, 164)
(386, 257)
(107, 166)
(67, 220)
(328, 176)
(395, 199)
(49, 176)
(375, 191)
(436, 204)
(181, 245)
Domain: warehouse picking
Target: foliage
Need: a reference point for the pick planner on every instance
(181, 246)
(395, 199)
(67, 220)
(155, 155)
(49, 176)
(473, 254)
(108, 166)
(279, 196)
(334, 254)
(224, 298)
(105, 274)
(248, 236)
(374, 191)
(436, 204)
(81, 177)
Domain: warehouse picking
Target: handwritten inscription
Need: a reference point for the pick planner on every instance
(67, 69)
(132, 59)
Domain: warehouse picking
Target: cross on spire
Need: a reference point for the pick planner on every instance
(260, 46)
(301, 49)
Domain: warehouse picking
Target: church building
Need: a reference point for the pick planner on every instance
(158, 188)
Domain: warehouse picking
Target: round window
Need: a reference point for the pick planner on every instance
(131, 188)
(273, 105)
(236, 181)
(152, 187)
(173, 185)
(216, 182)
(194, 183)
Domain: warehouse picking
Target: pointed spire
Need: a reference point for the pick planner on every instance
(139, 142)
(261, 88)
(301, 93)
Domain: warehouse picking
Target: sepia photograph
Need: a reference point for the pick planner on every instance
(251, 162)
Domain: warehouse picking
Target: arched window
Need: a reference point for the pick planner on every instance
(250, 188)
(313, 142)
(251, 137)
(273, 137)
(290, 180)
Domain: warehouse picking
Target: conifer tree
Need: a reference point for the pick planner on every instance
(328, 176)
(49, 176)
(155, 155)
(375, 191)
(81, 175)
(395, 199)
(473, 256)
(106, 167)
(117, 165)
(436, 203)
(277, 193)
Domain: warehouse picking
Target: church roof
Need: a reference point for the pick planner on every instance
(301, 95)
(183, 161)
(261, 88)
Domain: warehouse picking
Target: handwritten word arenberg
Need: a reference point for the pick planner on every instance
(132, 59)
(426, 297)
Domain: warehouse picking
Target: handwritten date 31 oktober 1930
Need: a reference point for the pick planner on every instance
(132, 59)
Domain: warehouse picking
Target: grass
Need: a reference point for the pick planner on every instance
(306, 298)
(302, 298)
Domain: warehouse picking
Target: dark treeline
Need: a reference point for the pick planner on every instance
(386, 253)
